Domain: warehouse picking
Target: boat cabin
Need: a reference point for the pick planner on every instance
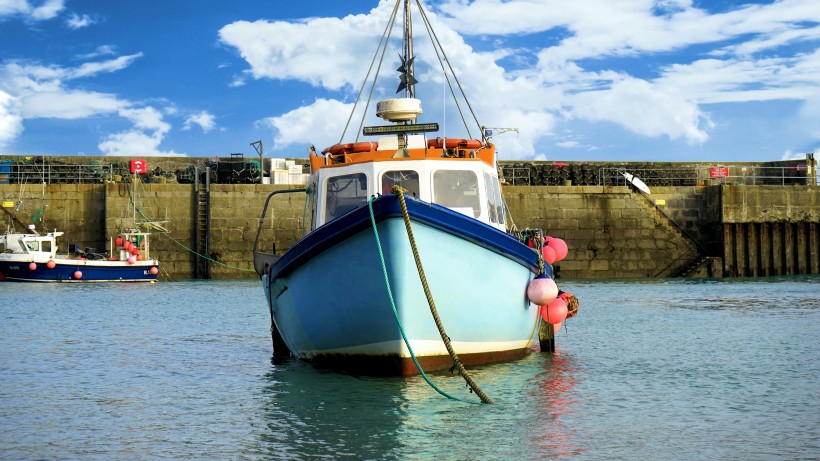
(34, 245)
(467, 185)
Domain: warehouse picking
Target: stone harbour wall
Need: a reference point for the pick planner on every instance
(612, 232)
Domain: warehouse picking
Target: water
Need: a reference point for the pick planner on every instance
(648, 370)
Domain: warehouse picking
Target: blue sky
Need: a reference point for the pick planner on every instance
(589, 80)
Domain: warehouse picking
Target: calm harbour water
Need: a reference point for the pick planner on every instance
(726, 369)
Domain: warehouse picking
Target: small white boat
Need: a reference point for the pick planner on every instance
(34, 257)
(408, 235)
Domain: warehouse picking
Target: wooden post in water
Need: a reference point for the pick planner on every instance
(752, 247)
(777, 248)
(728, 251)
(740, 250)
(765, 250)
(546, 337)
(802, 248)
(814, 248)
(788, 246)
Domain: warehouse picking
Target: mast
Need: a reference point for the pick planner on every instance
(407, 81)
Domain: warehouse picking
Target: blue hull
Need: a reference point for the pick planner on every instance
(92, 271)
(329, 300)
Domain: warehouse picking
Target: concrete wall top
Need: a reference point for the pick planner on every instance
(760, 204)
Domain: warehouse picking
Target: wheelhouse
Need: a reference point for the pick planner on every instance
(469, 187)
(31, 244)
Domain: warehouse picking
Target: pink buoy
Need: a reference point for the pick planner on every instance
(549, 254)
(132, 259)
(51, 264)
(554, 312)
(542, 290)
(78, 275)
(153, 270)
(32, 266)
(560, 248)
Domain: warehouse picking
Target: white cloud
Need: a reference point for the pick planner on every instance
(326, 52)
(644, 108)
(11, 123)
(47, 9)
(203, 119)
(69, 104)
(78, 22)
(102, 50)
(144, 140)
(29, 91)
(135, 143)
(319, 123)
(92, 68)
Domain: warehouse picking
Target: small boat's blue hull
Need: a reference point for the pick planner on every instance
(90, 271)
(331, 303)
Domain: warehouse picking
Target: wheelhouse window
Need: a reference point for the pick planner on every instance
(494, 202)
(407, 179)
(457, 190)
(345, 193)
(46, 245)
(33, 245)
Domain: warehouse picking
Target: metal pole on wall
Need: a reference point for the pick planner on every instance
(257, 145)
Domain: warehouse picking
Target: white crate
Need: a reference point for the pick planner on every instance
(299, 178)
(295, 169)
(278, 164)
(280, 176)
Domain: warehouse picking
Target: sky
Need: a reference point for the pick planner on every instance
(587, 80)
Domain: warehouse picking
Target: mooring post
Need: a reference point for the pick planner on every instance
(546, 337)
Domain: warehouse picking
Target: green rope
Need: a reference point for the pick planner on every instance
(167, 234)
(395, 312)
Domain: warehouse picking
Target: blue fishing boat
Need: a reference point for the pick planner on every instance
(34, 257)
(408, 264)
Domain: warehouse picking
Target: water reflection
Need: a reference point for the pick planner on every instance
(551, 393)
(309, 413)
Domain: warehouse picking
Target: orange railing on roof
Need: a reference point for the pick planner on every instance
(484, 153)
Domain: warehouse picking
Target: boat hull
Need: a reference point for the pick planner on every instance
(330, 303)
(17, 270)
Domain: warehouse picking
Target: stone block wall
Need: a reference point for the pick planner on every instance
(611, 231)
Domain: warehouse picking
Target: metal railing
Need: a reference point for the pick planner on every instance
(751, 175)
(535, 174)
(11, 173)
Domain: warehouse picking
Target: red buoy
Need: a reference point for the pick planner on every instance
(554, 312)
(78, 275)
(51, 264)
(560, 248)
(153, 270)
(32, 266)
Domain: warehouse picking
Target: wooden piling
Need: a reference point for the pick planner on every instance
(802, 248)
(753, 245)
(814, 248)
(546, 337)
(729, 265)
(765, 249)
(788, 247)
(740, 250)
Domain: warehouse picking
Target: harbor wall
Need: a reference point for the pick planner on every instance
(611, 231)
